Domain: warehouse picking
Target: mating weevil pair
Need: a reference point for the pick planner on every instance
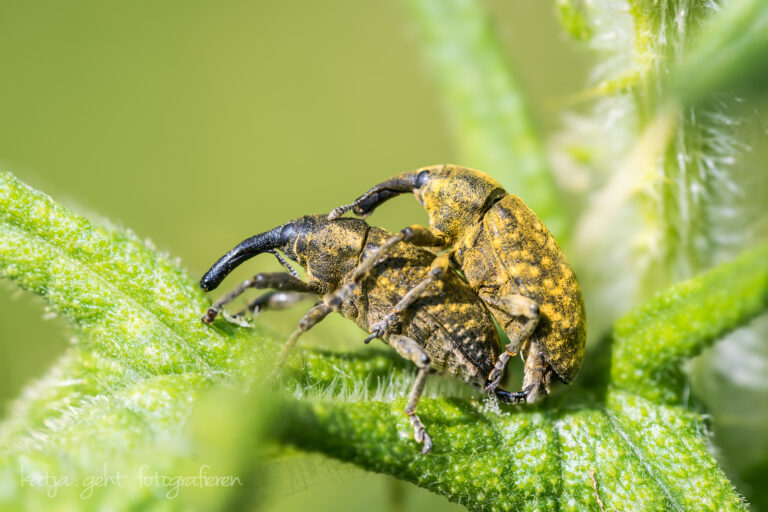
(412, 299)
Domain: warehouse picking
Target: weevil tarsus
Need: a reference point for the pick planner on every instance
(273, 301)
(276, 280)
(412, 351)
(508, 397)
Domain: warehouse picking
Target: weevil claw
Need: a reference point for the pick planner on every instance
(427, 444)
(341, 210)
(209, 316)
(420, 433)
(378, 330)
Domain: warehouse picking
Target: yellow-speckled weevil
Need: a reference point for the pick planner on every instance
(439, 323)
(507, 256)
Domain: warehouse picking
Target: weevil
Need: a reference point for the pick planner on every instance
(408, 299)
(508, 256)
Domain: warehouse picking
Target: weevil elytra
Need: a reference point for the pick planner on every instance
(428, 316)
(508, 257)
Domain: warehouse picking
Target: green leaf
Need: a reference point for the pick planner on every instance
(143, 357)
(644, 448)
(680, 195)
(147, 386)
(127, 300)
(654, 339)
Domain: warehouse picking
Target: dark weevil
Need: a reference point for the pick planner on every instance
(507, 256)
(441, 323)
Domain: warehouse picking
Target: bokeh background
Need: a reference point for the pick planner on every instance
(196, 124)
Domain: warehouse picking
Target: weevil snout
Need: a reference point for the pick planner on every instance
(277, 238)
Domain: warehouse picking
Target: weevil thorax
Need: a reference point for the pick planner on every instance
(456, 198)
(328, 250)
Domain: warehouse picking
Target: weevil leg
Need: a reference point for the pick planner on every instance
(537, 374)
(400, 184)
(274, 300)
(313, 316)
(437, 271)
(423, 236)
(417, 235)
(515, 305)
(278, 281)
(508, 397)
(342, 294)
(411, 350)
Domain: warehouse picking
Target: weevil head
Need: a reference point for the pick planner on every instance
(455, 198)
(329, 250)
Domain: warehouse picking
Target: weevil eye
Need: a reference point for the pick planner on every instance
(423, 178)
(287, 233)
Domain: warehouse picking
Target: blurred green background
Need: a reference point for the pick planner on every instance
(197, 124)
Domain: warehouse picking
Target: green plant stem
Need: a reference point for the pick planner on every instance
(731, 57)
(486, 105)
